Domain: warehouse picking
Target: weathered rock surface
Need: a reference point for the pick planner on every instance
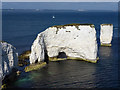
(9, 59)
(106, 34)
(75, 40)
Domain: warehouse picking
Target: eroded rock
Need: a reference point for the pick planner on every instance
(75, 40)
(9, 59)
(106, 34)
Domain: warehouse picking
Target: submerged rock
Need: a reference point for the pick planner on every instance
(77, 41)
(35, 66)
(24, 58)
(106, 34)
(9, 60)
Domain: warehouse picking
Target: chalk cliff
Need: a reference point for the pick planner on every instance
(106, 34)
(9, 59)
(77, 41)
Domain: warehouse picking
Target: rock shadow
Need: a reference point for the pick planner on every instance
(62, 55)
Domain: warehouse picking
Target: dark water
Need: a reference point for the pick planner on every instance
(20, 28)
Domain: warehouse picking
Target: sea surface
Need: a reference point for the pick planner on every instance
(20, 28)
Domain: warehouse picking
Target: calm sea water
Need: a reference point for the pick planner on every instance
(20, 28)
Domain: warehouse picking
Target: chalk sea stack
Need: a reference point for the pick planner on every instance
(106, 34)
(9, 61)
(76, 41)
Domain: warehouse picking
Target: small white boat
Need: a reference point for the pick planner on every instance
(53, 17)
(37, 9)
(11, 8)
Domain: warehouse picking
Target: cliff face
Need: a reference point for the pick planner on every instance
(76, 41)
(106, 34)
(9, 59)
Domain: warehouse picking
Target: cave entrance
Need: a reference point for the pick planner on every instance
(62, 55)
(46, 57)
(36, 61)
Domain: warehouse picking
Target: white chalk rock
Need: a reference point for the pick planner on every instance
(106, 33)
(38, 49)
(77, 41)
(9, 59)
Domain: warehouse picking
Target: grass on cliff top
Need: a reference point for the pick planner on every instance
(106, 24)
(3, 41)
(73, 24)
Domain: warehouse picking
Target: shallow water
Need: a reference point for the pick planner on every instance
(20, 28)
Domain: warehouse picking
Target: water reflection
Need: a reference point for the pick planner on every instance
(63, 74)
(106, 74)
(73, 74)
(76, 74)
(105, 52)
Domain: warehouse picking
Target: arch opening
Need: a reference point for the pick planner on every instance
(62, 55)
(46, 58)
(36, 61)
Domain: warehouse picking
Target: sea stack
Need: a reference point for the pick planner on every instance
(76, 41)
(106, 34)
(9, 59)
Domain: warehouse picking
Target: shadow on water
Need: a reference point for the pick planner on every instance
(60, 75)
(106, 74)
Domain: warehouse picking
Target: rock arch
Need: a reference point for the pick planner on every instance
(62, 55)
(79, 43)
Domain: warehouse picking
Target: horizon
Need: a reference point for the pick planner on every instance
(60, 0)
(81, 6)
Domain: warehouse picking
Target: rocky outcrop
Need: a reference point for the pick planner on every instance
(9, 59)
(106, 34)
(77, 41)
(23, 59)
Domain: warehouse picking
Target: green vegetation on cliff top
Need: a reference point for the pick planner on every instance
(106, 24)
(73, 24)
